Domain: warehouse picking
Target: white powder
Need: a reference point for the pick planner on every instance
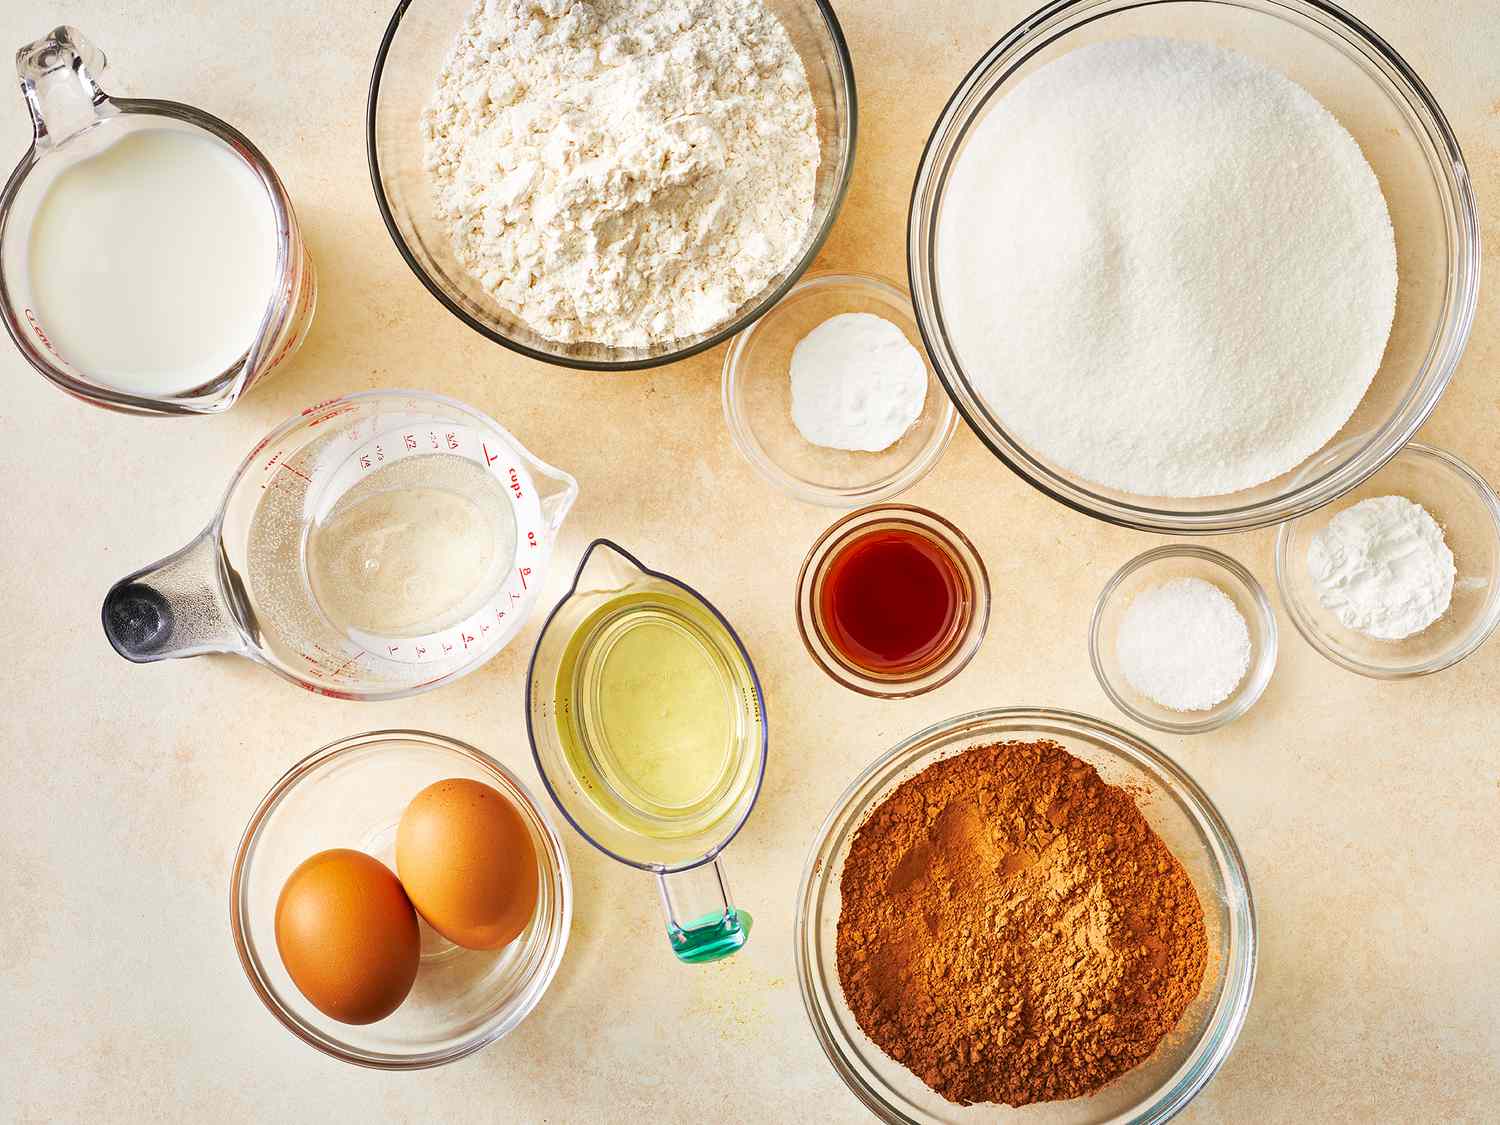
(1383, 568)
(1184, 644)
(1166, 267)
(857, 383)
(623, 171)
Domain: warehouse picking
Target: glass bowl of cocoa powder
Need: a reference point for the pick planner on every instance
(1091, 793)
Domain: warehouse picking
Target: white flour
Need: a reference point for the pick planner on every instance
(857, 383)
(1166, 267)
(1184, 644)
(623, 171)
(1383, 568)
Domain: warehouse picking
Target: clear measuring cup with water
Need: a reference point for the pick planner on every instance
(648, 726)
(117, 199)
(374, 546)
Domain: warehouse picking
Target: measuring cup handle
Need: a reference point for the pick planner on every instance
(703, 923)
(175, 607)
(58, 78)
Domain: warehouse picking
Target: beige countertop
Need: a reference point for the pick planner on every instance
(1369, 813)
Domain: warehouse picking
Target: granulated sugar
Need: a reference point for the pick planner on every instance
(1184, 644)
(1166, 267)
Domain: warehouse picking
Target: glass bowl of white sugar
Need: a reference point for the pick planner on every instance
(1390, 612)
(1183, 639)
(831, 397)
(1135, 328)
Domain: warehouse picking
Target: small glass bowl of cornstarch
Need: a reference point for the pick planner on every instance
(1071, 225)
(800, 337)
(1183, 639)
(1465, 509)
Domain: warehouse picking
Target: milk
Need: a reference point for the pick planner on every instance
(152, 263)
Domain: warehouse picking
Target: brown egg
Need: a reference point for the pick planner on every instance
(467, 861)
(348, 935)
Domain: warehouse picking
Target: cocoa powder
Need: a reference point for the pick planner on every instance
(1013, 930)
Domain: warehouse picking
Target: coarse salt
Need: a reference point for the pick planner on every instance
(1183, 644)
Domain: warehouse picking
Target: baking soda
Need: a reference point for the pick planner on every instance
(1166, 268)
(857, 383)
(1183, 644)
(1382, 567)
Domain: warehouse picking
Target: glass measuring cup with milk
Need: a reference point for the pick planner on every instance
(372, 547)
(150, 261)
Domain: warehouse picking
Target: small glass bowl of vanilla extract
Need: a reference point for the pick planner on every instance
(892, 601)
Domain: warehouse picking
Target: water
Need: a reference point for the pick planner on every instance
(411, 549)
(339, 585)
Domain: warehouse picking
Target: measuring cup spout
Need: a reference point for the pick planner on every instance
(175, 607)
(57, 75)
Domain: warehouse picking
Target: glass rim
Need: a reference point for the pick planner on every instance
(192, 403)
(555, 860)
(924, 459)
(731, 328)
(963, 553)
(1335, 27)
(727, 838)
(1262, 666)
(1220, 1031)
(1301, 620)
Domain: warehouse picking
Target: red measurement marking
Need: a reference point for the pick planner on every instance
(531, 538)
(447, 648)
(515, 483)
(41, 335)
(409, 440)
(483, 629)
(421, 650)
(514, 597)
(451, 439)
(296, 473)
(339, 670)
(468, 640)
(432, 435)
(489, 458)
(393, 649)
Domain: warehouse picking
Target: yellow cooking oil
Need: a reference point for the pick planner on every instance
(657, 714)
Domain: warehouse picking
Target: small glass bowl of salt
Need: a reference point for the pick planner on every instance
(1446, 493)
(863, 416)
(1183, 639)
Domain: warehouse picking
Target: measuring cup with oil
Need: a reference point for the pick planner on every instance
(648, 727)
(374, 546)
(150, 261)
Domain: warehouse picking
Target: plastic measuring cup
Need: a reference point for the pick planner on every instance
(703, 924)
(243, 586)
(73, 119)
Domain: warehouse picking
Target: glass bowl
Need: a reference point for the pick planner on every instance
(758, 400)
(1162, 565)
(1467, 510)
(1403, 134)
(973, 597)
(417, 42)
(351, 794)
(1179, 812)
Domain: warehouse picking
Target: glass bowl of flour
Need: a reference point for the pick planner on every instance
(789, 402)
(615, 185)
(1401, 587)
(1166, 256)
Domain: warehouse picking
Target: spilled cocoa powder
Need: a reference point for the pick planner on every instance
(1013, 930)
